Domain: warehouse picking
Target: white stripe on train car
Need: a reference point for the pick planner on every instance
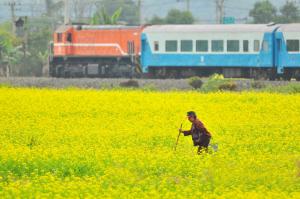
(92, 45)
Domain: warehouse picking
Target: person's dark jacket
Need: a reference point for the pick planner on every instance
(198, 132)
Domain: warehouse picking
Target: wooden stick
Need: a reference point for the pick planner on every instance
(178, 137)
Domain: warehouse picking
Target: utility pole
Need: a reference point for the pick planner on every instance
(219, 11)
(140, 12)
(12, 5)
(188, 7)
(67, 12)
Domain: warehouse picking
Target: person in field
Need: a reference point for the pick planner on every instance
(200, 135)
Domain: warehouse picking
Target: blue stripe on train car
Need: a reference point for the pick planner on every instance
(261, 59)
(284, 58)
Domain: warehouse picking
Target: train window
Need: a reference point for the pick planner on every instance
(265, 46)
(201, 45)
(156, 46)
(186, 45)
(292, 45)
(256, 46)
(246, 46)
(171, 46)
(233, 45)
(217, 45)
(59, 37)
(69, 38)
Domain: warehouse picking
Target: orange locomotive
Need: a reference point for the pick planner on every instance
(98, 51)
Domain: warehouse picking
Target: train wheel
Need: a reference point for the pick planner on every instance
(172, 74)
(60, 72)
(261, 75)
(52, 71)
(272, 74)
(297, 75)
(188, 73)
(287, 76)
(272, 78)
(159, 73)
(149, 75)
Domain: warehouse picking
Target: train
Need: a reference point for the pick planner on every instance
(95, 51)
(261, 51)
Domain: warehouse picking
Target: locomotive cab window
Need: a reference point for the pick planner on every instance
(69, 37)
(246, 46)
(202, 46)
(186, 45)
(256, 46)
(292, 45)
(217, 45)
(156, 46)
(171, 46)
(233, 46)
(59, 37)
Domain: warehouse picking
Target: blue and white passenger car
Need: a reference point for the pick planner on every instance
(234, 50)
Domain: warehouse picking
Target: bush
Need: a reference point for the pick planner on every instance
(5, 85)
(130, 84)
(195, 82)
(106, 85)
(211, 85)
(291, 88)
(217, 82)
(229, 86)
(258, 85)
(216, 77)
(150, 87)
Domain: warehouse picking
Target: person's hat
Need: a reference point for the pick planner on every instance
(191, 113)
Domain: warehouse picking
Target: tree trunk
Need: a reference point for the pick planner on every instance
(46, 69)
(48, 4)
(1, 70)
(7, 70)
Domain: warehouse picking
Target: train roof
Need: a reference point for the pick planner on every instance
(295, 27)
(211, 28)
(65, 28)
(106, 27)
(62, 29)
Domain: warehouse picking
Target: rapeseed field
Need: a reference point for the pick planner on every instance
(119, 144)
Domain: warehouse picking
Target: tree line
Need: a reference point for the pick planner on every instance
(263, 12)
(266, 12)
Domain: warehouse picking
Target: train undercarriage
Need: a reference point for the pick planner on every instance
(129, 67)
(105, 67)
(234, 72)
